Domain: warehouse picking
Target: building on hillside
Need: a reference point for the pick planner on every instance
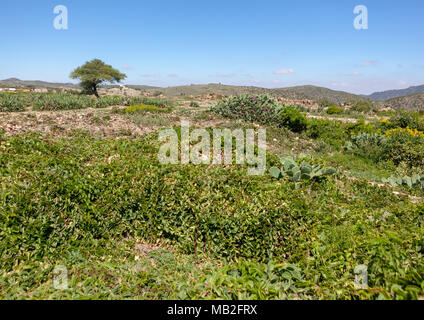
(14, 90)
(41, 90)
(8, 89)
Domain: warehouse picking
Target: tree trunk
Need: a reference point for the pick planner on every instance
(95, 91)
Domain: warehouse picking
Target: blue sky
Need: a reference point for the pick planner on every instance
(261, 43)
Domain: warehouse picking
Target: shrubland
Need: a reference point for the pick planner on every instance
(261, 109)
(68, 101)
(214, 232)
(65, 195)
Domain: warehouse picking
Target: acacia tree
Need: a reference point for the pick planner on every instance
(95, 72)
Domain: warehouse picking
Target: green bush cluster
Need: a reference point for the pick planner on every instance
(415, 180)
(404, 119)
(334, 110)
(397, 146)
(12, 102)
(404, 146)
(329, 131)
(296, 172)
(60, 195)
(293, 119)
(68, 101)
(363, 106)
(158, 102)
(335, 132)
(248, 280)
(325, 103)
(62, 101)
(64, 201)
(146, 108)
(367, 145)
(262, 109)
(107, 101)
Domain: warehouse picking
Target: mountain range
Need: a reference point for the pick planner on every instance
(410, 98)
(17, 83)
(390, 94)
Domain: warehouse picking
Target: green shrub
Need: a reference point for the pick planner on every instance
(62, 101)
(62, 198)
(249, 280)
(146, 108)
(369, 146)
(406, 119)
(12, 102)
(334, 110)
(296, 172)
(293, 119)
(262, 109)
(194, 104)
(415, 180)
(404, 145)
(396, 145)
(108, 101)
(333, 132)
(161, 103)
(360, 127)
(363, 106)
(59, 101)
(325, 103)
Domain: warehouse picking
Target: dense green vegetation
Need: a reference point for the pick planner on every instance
(145, 108)
(127, 226)
(262, 109)
(62, 197)
(67, 101)
(334, 110)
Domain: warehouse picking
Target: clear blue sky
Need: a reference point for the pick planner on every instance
(233, 42)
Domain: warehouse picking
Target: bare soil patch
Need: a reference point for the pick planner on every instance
(98, 122)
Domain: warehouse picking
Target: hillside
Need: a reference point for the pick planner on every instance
(411, 102)
(389, 94)
(17, 83)
(314, 93)
(85, 190)
(299, 92)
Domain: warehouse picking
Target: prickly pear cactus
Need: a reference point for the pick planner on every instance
(416, 181)
(295, 172)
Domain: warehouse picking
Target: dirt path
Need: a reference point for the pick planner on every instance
(345, 120)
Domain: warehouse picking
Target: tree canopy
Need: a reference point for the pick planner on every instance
(95, 72)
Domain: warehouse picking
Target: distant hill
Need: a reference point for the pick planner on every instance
(386, 95)
(199, 89)
(410, 102)
(315, 93)
(142, 88)
(295, 93)
(17, 83)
